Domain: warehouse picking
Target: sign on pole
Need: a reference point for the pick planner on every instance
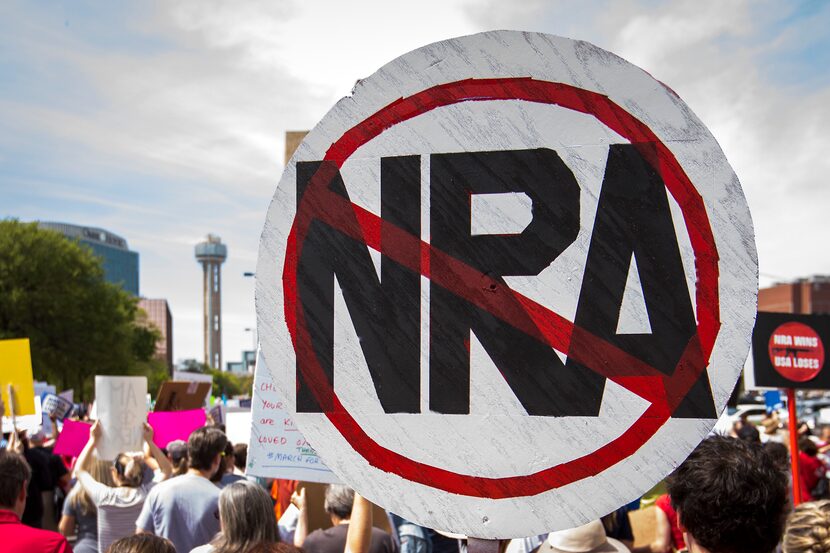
(507, 285)
(122, 409)
(788, 351)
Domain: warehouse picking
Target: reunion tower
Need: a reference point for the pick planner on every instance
(211, 254)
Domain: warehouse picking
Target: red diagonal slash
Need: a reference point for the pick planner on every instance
(664, 393)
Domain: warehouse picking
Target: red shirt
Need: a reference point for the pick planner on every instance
(664, 504)
(16, 536)
(811, 470)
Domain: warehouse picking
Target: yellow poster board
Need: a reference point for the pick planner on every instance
(16, 369)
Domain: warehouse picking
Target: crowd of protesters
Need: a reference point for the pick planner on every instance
(732, 495)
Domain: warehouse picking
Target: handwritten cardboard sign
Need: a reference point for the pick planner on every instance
(174, 425)
(181, 396)
(72, 439)
(122, 408)
(277, 449)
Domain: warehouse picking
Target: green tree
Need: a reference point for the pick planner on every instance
(52, 291)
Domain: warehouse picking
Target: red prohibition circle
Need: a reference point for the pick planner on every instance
(796, 351)
(665, 393)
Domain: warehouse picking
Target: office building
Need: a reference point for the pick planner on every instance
(211, 254)
(120, 264)
(158, 314)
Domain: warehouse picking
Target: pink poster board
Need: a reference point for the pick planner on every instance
(73, 438)
(174, 425)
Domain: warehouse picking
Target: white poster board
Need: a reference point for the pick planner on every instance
(277, 449)
(121, 408)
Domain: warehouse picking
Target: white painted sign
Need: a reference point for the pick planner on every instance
(507, 285)
(121, 408)
(277, 449)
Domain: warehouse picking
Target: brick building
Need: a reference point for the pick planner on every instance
(806, 295)
(158, 314)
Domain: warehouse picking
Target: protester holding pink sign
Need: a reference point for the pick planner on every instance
(72, 438)
(175, 425)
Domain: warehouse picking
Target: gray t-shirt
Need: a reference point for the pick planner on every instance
(87, 535)
(184, 510)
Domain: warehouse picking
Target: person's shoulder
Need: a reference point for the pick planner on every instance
(45, 541)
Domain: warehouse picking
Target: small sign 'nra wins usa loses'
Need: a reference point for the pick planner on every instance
(507, 285)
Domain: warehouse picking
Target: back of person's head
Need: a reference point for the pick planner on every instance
(177, 453)
(246, 513)
(779, 454)
(203, 445)
(339, 501)
(240, 456)
(808, 528)
(79, 499)
(14, 474)
(808, 446)
(730, 496)
(141, 543)
(128, 470)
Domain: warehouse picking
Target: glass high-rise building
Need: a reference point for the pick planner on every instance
(120, 263)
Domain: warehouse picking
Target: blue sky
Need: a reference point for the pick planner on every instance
(164, 121)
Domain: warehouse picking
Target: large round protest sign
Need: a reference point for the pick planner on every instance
(507, 285)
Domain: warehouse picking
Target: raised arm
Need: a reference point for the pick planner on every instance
(359, 535)
(165, 466)
(301, 531)
(85, 458)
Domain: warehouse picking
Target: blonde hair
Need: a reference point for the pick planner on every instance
(79, 499)
(808, 528)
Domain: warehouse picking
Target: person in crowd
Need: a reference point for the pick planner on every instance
(808, 528)
(588, 538)
(339, 500)
(80, 516)
(772, 429)
(227, 474)
(745, 430)
(15, 475)
(39, 483)
(812, 471)
(618, 526)
(669, 533)
(184, 509)
(240, 458)
(142, 543)
(177, 455)
(58, 475)
(730, 497)
(245, 518)
(118, 506)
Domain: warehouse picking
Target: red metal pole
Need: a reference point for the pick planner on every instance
(793, 426)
